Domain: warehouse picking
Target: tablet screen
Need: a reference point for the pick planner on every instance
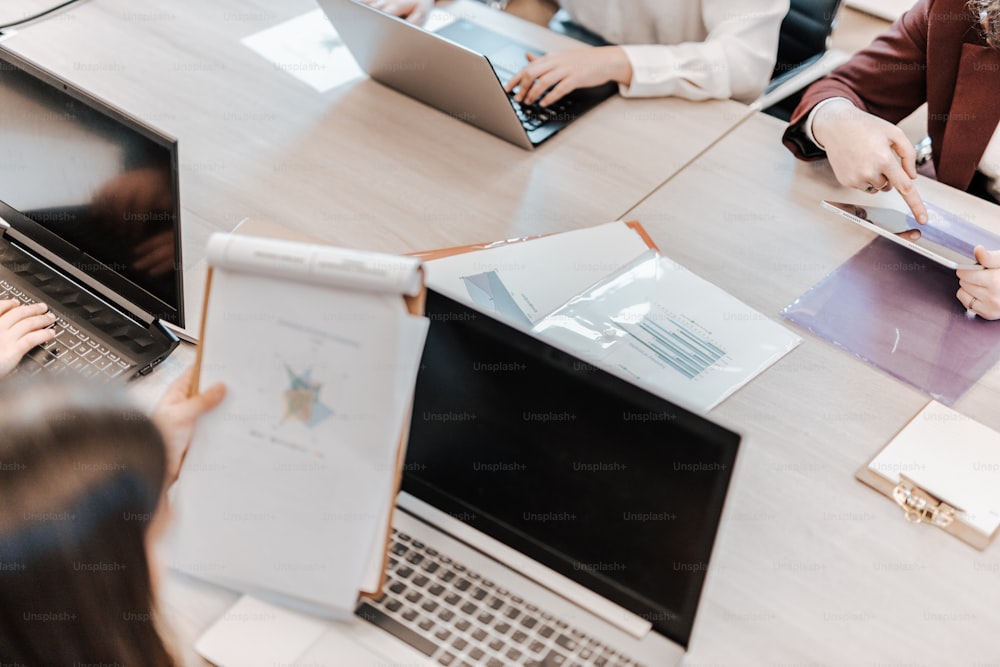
(945, 238)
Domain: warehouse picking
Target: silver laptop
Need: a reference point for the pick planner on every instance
(460, 69)
(89, 224)
(551, 514)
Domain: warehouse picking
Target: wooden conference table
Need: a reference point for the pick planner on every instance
(810, 567)
(360, 165)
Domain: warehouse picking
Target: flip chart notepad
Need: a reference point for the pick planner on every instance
(288, 488)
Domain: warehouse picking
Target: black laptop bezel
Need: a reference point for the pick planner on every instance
(109, 284)
(443, 311)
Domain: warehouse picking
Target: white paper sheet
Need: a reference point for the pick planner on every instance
(309, 48)
(522, 282)
(658, 325)
(952, 457)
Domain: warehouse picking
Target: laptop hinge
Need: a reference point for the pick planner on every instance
(75, 276)
(599, 606)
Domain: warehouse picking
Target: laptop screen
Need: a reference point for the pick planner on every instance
(102, 188)
(601, 481)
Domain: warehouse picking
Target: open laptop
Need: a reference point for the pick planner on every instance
(460, 69)
(551, 514)
(89, 224)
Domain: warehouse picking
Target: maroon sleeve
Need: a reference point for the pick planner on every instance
(888, 79)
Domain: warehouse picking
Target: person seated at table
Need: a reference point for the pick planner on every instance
(945, 53)
(22, 327)
(82, 488)
(696, 49)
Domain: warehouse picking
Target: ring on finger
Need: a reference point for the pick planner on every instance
(972, 302)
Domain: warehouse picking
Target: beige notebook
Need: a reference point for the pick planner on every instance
(943, 468)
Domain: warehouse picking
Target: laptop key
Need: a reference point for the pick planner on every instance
(552, 659)
(447, 659)
(395, 628)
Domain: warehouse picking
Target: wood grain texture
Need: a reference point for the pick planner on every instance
(812, 567)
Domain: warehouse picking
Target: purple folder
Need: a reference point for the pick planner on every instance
(897, 310)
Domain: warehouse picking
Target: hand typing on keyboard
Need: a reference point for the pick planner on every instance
(562, 72)
(22, 327)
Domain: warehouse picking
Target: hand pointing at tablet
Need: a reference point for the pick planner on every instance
(868, 153)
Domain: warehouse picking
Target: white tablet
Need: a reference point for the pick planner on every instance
(945, 239)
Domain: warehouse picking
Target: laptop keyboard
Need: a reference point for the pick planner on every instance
(71, 351)
(455, 617)
(533, 116)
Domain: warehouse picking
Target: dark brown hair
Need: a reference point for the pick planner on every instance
(988, 13)
(81, 475)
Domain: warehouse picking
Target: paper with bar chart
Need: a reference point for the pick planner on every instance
(662, 327)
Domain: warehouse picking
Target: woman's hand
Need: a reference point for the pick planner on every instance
(868, 153)
(414, 11)
(22, 328)
(565, 71)
(176, 414)
(980, 289)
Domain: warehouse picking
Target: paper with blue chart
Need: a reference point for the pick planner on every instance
(287, 484)
(603, 295)
(656, 324)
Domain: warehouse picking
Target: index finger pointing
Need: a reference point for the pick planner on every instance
(908, 191)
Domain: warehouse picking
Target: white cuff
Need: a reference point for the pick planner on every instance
(812, 115)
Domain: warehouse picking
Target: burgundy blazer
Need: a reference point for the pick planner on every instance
(934, 53)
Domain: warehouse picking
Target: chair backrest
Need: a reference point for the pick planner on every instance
(805, 33)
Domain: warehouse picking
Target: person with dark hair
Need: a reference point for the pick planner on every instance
(945, 53)
(82, 483)
(696, 49)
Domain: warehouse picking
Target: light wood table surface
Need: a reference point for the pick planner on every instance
(360, 165)
(812, 567)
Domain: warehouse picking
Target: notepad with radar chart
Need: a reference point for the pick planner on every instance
(288, 487)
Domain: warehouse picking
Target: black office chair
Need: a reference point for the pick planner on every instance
(804, 54)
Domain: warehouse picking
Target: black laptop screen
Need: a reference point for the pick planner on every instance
(601, 481)
(102, 188)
